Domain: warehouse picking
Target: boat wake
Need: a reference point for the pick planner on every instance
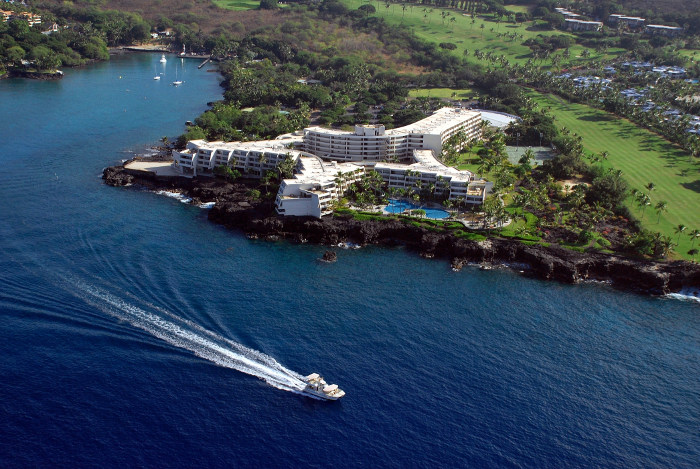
(202, 342)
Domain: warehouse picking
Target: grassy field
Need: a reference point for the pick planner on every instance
(429, 25)
(644, 157)
(237, 5)
(691, 54)
(449, 93)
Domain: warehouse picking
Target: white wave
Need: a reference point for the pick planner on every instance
(175, 195)
(207, 205)
(202, 342)
(686, 294)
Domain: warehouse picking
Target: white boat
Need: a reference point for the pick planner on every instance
(157, 77)
(317, 387)
(177, 82)
(163, 59)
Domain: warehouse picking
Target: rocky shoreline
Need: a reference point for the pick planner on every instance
(46, 76)
(235, 209)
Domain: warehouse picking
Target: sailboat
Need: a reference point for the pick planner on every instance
(156, 76)
(177, 82)
(163, 59)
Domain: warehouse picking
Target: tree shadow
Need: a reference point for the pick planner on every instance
(595, 118)
(693, 186)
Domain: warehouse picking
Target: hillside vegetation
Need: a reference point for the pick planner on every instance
(481, 32)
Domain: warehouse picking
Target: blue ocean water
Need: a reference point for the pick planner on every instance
(125, 318)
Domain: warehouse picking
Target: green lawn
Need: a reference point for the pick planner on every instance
(468, 93)
(430, 26)
(691, 54)
(237, 4)
(644, 157)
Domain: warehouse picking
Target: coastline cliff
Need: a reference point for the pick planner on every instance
(235, 209)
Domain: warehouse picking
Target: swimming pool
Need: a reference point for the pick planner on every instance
(399, 206)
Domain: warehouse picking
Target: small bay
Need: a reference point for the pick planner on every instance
(126, 317)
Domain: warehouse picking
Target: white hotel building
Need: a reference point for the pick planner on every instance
(373, 143)
(317, 182)
(251, 158)
(427, 171)
(315, 185)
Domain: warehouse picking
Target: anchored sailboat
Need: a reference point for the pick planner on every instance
(177, 82)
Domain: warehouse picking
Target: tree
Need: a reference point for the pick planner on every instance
(679, 230)
(367, 9)
(609, 189)
(268, 4)
(643, 201)
(44, 58)
(650, 187)
(447, 45)
(286, 167)
(227, 172)
(694, 236)
(14, 55)
(660, 207)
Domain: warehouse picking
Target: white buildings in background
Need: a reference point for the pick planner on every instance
(637, 23)
(632, 22)
(581, 25)
(663, 30)
(317, 182)
(566, 13)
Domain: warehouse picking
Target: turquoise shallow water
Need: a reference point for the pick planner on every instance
(126, 319)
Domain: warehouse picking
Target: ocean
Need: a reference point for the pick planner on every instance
(136, 333)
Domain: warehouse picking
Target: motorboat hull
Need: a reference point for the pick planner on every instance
(320, 395)
(317, 388)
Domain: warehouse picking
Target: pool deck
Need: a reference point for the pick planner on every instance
(159, 168)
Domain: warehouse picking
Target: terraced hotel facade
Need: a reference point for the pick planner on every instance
(373, 143)
(327, 161)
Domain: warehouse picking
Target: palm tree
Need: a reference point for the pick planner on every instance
(448, 204)
(339, 179)
(679, 229)
(694, 236)
(650, 187)
(643, 200)
(660, 207)
(664, 244)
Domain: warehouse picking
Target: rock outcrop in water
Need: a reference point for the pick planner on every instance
(235, 209)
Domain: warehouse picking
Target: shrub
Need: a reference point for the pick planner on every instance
(268, 4)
